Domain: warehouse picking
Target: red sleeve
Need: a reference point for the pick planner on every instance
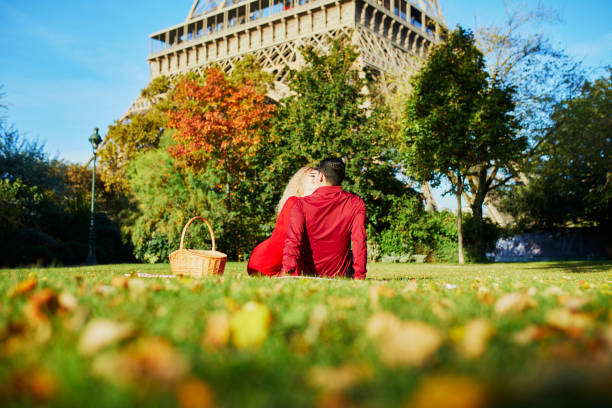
(358, 240)
(293, 239)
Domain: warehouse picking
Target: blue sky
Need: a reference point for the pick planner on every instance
(69, 66)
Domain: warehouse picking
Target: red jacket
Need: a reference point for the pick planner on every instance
(321, 229)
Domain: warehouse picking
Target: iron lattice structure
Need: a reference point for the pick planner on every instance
(392, 36)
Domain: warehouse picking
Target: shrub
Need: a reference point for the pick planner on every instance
(412, 230)
(402, 238)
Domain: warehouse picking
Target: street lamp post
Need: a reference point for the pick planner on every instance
(95, 141)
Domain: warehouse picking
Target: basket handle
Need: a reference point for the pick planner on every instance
(212, 235)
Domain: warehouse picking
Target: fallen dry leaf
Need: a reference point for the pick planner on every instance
(104, 289)
(14, 336)
(67, 301)
(449, 392)
(37, 383)
(334, 399)
(315, 322)
(217, 332)
(526, 336)
(403, 343)
(150, 362)
(120, 282)
(100, 333)
(438, 309)
(566, 320)
(514, 303)
(250, 325)
(23, 287)
(194, 393)
(381, 323)
(338, 378)
(476, 336)
(137, 286)
(77, 319)
(573, 303)
(553, 291)
(485, 296)
(40, 305)
(342, 302)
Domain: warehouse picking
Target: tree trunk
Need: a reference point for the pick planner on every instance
(459, 219)
(479, 244)
(479, 197)
(430, 200)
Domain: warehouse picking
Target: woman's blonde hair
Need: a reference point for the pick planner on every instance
(295, 187)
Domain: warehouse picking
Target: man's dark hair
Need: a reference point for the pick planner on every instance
(333, 168)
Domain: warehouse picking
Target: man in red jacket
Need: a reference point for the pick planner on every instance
(322, 227)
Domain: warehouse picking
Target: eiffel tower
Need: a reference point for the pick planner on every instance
(392, 36)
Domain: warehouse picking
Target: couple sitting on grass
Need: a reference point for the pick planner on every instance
(316, 225)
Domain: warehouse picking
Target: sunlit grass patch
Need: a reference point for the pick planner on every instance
(505, 334)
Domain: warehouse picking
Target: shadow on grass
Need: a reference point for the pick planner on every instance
(575, 266)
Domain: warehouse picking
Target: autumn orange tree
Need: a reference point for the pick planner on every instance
(219, 124)
(206, 164)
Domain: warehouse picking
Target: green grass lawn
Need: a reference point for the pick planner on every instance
(537, 334)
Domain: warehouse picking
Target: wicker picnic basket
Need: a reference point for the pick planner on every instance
(196, 262)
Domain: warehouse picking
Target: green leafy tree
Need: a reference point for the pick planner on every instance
(459, 125)
(570, 183)
(44, 208)
(333, 111)
(168, 190)
(218, 124)
(141, 132)
(126, 140)
(167, 195)
(17, 202)
(26, 160)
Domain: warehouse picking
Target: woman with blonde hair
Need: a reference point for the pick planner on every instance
(267, 257)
